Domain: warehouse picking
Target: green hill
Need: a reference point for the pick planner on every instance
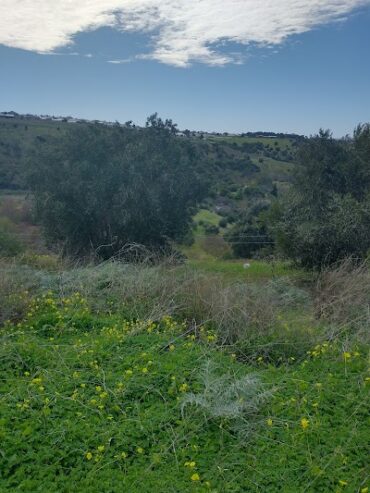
(241, 171)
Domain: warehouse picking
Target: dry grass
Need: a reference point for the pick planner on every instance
(342, 298)
(146, 291)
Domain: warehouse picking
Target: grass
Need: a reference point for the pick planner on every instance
(93, 402)
(208, 217)
(257, 270)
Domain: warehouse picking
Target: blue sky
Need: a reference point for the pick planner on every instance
(277, 79)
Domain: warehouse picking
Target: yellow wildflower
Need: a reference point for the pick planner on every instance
(101, 448)
(190, 464)
(89, 456)
(140, 450)
(269, 422)
(305, 423)
(195, 477)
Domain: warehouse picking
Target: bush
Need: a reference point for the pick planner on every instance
(225, 397)
(326, 215)
(342, 297)
(99, 189)
(211, 229)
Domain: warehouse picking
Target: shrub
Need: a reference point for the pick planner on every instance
(98, 189)
(238, 400)
(342, 297)
(326, 215)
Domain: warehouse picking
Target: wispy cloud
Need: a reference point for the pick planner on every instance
(119, 62)
(182, 31)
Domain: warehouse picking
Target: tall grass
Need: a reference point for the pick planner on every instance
(342, 298)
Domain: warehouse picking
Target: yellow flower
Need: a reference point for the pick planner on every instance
(305, 423)
(98, 388)
(184, 387)
(101, 448)
(123, 455)
(128, 372)
(195, 477)
(346, 355)
(365, 490)
(89, 456)
(191, 464)
(145, 370)
(140, 450)
(269, 422)
(171, 347)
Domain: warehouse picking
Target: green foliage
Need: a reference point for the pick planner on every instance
(9, 243)
(92, 402)
(228, 164)
(227, 397)
(99, 189)
(326, 216)
(250, 235)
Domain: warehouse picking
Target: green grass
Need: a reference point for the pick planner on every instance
(208, 217)
(91, 403)
(235, 268)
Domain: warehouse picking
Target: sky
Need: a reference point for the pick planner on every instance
(213, 65)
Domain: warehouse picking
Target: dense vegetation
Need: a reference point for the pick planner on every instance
(160, 378)
(98, 189)
(206, 375)
(237, 169)
(326, 215)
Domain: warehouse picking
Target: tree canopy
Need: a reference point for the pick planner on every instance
(99, 189)
(326, 215)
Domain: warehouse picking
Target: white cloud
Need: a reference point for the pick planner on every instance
(182, 31)
(120, 62)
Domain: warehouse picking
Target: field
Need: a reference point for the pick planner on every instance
(165, 378)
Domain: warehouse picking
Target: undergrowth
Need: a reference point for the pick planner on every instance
(95, 395)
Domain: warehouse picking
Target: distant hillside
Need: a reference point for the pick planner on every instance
(242, 169)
